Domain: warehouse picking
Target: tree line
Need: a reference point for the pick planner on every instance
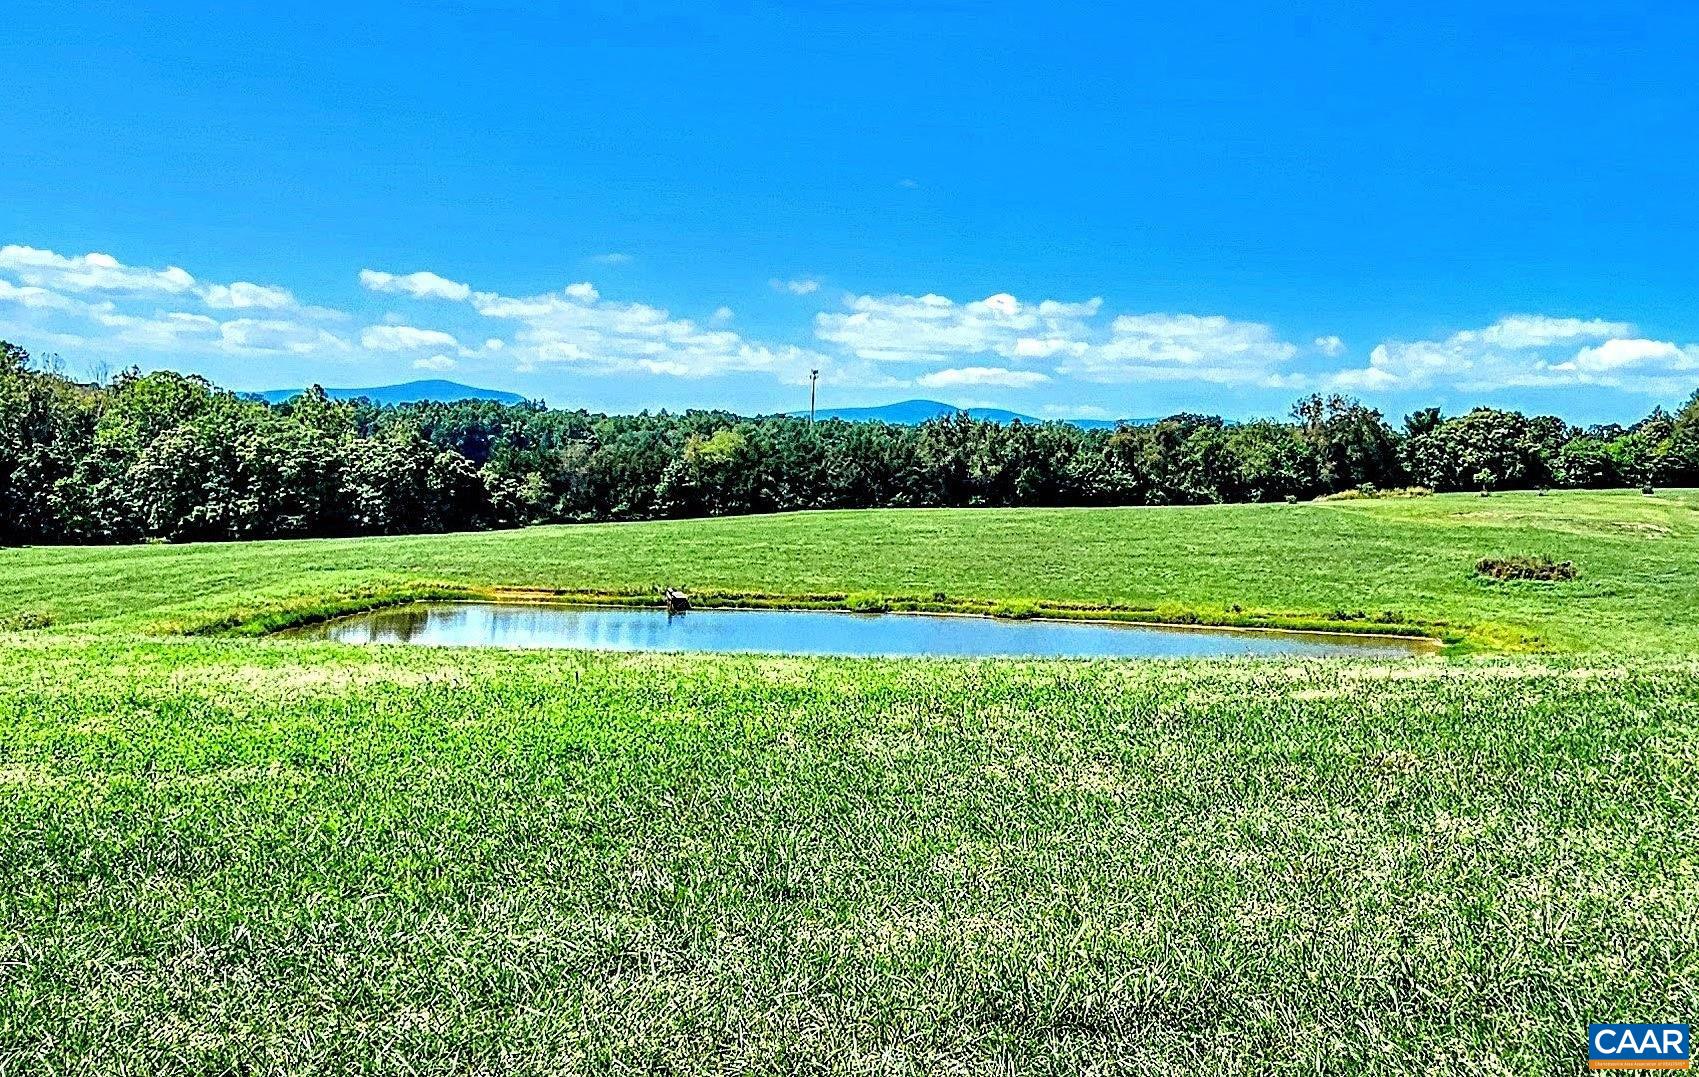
(166, 456)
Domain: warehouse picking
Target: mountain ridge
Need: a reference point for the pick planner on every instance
(429, 390)
(901, 413)
(917, 411)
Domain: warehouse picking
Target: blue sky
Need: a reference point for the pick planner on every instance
(1112, 210)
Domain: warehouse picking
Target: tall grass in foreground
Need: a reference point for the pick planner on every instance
(229, 856)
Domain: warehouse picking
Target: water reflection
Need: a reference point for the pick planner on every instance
(514, 625)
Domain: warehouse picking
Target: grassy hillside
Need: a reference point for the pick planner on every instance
(1409, 560)
(228, 854)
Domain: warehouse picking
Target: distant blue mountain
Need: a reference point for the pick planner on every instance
(915, 412)
(434, 391)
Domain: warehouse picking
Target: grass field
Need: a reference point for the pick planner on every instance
(254, 855)
(1297, 565)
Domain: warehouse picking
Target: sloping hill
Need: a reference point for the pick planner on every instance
(915, 412)
(413, 392)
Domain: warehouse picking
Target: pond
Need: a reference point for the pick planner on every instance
(817, 632)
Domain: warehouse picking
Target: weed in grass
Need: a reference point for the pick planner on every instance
(1539, 567)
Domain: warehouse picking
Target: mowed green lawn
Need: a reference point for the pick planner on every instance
(1637, 592)
(270, 855)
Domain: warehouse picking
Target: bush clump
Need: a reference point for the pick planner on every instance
(1369, 491)
(1525, 568)
(867, 602)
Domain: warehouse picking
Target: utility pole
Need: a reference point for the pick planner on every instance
(813, 376)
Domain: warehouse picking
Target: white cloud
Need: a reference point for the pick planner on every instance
(420, 285)
(1186, 347)
(39, 298)
(1536, 330)
(1076, 411)
(1527, 350)
(577, 327)
(402, 338)
(242, 295)
(1622, 354)
(935, 329)
(1132, 347)
(1045, 347)
(102, 273)
(93, 272)
(103, 308)
(160, 330)
(279, 336)
(612, 258)
(186, 332)
(959, 377)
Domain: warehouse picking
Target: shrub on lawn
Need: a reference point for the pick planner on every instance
(1525, 568)
(1369, 490)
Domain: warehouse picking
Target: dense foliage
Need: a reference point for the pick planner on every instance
(169, 456)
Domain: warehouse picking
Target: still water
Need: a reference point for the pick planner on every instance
(612, 628)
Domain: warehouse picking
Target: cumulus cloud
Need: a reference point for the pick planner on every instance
(243, 296)
(62, 276)
(1527, 351)
(958, 377)
(38, 298)
(163, 329)
(1069, 337)
(1625, 354)
(100, 306)
(279, 336)
(93, 272)
(935, 329)
(1186, 347)
(420, 285)
(1076, 411)
(576, 327)
(97, 304)
(404, 338)
(1537, 330)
